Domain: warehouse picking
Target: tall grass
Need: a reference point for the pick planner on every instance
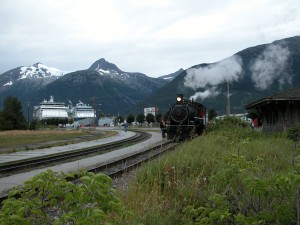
(227, 176)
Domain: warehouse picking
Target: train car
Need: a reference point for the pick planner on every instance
(186, 119)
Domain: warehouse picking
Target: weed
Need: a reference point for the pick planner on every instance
(231, 175)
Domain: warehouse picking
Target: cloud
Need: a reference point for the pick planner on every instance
(270, 67)
(211, 92)
(211, 76)
(153, 37)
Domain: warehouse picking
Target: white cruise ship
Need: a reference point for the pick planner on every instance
(83, 114)
(50, 109)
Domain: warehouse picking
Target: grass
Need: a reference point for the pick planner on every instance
(231, 175)
(12, 140)
(245, 173)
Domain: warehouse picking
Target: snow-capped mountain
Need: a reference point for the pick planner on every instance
(36, 71)
(116, 90)
(107, 69)
(39, 70)
(103, 83)
(103, 67)
(171, 76)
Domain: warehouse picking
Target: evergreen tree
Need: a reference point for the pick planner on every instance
(212, 114)
(11, 117)
(130, 118)
(150, 118)
(140, 118)
(158, 117)
(119, 119)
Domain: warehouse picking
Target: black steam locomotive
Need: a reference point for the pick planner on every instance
(186, 119)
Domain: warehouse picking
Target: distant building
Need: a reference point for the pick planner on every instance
(242, 116)
(106, 121)
(279, 111)
(152, 110)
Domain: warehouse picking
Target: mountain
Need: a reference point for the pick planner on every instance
(38, 74)
(252, 73)
(171, 76)
(105, 86)
(103, 83)
(137, 81)
(104, 67)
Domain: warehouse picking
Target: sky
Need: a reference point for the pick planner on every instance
(154, 37)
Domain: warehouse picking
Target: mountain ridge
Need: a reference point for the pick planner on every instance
(102, 83)
(123, 92)
(253, 73)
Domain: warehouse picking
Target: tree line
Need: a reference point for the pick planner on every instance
(11, 117)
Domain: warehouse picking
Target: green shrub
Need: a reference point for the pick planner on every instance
(227, 122)
(49, 198)
(293, 133)
(244, 196)
(233, 128)
(231, 175)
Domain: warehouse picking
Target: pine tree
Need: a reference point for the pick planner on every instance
(212, 113)
(140, 118)
(150, 118)
(130, 118)
(11, 117)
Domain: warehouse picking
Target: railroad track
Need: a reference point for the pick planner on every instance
(127, 162)
(14, 167)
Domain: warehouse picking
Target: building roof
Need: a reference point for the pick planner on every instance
(290, 95)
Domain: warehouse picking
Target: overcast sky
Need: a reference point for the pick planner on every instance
(154, 37)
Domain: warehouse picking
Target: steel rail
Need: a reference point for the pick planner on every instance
(127, 163)
(59, 157)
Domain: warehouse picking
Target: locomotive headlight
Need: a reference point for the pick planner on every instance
(179, 98)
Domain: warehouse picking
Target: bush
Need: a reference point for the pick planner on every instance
(49, 198)
(232, 128)
(244, 196)
(227, 122)
(231, 175)
(293, 133)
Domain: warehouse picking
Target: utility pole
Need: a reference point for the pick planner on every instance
(141, 106)
(96, 107)
(28, 104)
(228, 99)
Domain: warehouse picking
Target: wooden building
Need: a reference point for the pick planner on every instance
(279, 111)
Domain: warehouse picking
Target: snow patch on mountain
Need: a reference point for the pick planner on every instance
(103, 71)
(8, 83)
(39, 70)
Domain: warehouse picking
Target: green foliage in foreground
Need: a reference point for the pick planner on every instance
(49, 198)
(232, 175)
(294, 133)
